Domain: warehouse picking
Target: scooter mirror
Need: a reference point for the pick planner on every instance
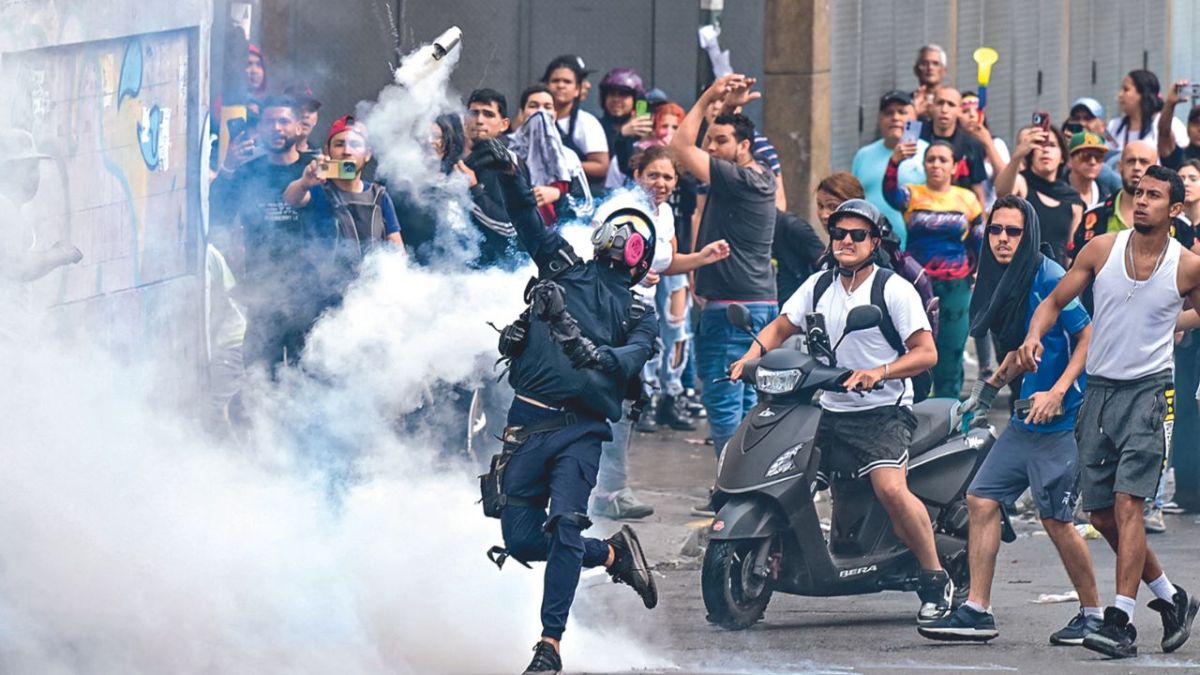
(739, 316)
(862, 318)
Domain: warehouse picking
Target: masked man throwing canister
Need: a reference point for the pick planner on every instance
(574, 354)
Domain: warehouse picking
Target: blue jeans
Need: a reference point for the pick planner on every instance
(718, 344)
(614, 459)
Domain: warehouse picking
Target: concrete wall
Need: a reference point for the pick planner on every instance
(116, 94)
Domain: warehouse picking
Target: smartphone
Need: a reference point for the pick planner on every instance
(642, 108)
(1189, 90)
(1042, 119)
(912, 131)
(341, 169)
(1073, 128)
(1022, 407)
(236, 126)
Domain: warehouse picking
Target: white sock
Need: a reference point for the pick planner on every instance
(1093, 611)
(1126, 604)
(1162, 588)
(976, 606)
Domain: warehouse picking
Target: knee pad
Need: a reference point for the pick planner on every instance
(577, 519)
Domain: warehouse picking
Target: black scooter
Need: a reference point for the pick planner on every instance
(767, 537)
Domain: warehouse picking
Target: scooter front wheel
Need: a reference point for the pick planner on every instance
(735, 593)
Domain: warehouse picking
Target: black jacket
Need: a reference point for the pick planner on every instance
(498, 246)
(796, 251)
(600, 300)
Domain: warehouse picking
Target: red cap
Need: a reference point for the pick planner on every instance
(346, 123)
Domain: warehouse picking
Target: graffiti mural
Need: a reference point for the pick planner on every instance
(114, 117)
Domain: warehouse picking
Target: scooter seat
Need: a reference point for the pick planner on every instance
(933, 424)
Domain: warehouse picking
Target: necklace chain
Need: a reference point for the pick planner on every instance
(1132, 260)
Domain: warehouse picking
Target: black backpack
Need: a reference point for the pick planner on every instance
(922, 382)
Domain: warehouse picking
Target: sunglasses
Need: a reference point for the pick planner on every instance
(1011, 231)
(857, 236)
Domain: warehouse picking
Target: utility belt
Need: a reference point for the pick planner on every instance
(491, 484)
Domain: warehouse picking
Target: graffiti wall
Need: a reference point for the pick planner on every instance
(121, 119)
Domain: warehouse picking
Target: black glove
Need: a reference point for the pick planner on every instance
(580, 351)
(492, 154)
(606, 360)
(548, 301)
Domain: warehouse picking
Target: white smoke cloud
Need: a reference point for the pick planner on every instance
(330, 541)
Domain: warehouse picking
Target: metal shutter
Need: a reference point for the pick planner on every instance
(1106, 39)
(999, 32)
(907, 32)
(970, 37)
(1079, 58)
(847, 97)
(1154, 39)
(1052, 62)
(877, 67)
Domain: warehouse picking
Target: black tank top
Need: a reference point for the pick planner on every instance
(1055, 221)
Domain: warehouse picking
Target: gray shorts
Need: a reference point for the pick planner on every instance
(1046, 463)
(853, 444)
(1124, 435)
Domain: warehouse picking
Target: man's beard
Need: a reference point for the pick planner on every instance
(287, 146)
(1143, 229)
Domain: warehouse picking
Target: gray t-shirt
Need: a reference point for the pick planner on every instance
(741, 210)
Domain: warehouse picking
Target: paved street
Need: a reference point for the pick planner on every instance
(868, 633)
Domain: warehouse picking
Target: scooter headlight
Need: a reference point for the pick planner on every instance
(784, 462)
(776, 381)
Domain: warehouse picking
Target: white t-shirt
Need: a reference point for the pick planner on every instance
(1178, 128)
(664, 232)
(589, 135)
(865, 349)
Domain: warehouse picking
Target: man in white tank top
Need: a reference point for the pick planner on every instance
(1139, 278)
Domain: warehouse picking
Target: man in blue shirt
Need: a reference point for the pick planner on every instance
(870, 162)
(1037, 450)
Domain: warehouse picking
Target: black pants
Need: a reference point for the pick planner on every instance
(556, 468)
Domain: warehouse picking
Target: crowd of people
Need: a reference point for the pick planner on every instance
(977, 236)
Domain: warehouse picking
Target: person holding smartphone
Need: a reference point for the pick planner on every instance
(1036, 173)
(897, 124)
(1172, 155)
(626, 121)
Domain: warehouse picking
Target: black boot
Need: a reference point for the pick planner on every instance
(546, 661)
(1177, 617)
(646, 423)
(630, 566)
(673, 413)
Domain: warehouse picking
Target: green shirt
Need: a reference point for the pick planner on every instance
(1115, 222)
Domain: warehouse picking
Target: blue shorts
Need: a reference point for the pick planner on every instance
(1047, 463)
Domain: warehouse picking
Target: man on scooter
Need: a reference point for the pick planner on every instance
(1038, 449)
(867, 431)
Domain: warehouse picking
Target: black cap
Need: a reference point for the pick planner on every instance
(895, 96)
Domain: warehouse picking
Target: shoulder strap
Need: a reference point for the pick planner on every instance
(822, 285)
(879, 300)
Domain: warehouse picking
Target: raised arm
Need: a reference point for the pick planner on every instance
(692, 159)
(1166, 139)
(894, 193)
(1008, 179)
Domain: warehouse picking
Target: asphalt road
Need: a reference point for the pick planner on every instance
(858, 634)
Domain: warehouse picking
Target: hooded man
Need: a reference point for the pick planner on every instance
(1038, 448)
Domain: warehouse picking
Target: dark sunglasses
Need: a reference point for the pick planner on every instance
(1011, 231)
(858, 236)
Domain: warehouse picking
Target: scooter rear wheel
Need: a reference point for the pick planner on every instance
(734, 594)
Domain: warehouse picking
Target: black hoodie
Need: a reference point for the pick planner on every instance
(1000, 302)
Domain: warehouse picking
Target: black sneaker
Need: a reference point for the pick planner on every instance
(964, 625)
(1117, 638)
(936, 592)
(691, 403)
(1177, 618)
(630, 566)
(545, 660)
(1076, 629)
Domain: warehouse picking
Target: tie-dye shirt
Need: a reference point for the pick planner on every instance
(942, 226)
